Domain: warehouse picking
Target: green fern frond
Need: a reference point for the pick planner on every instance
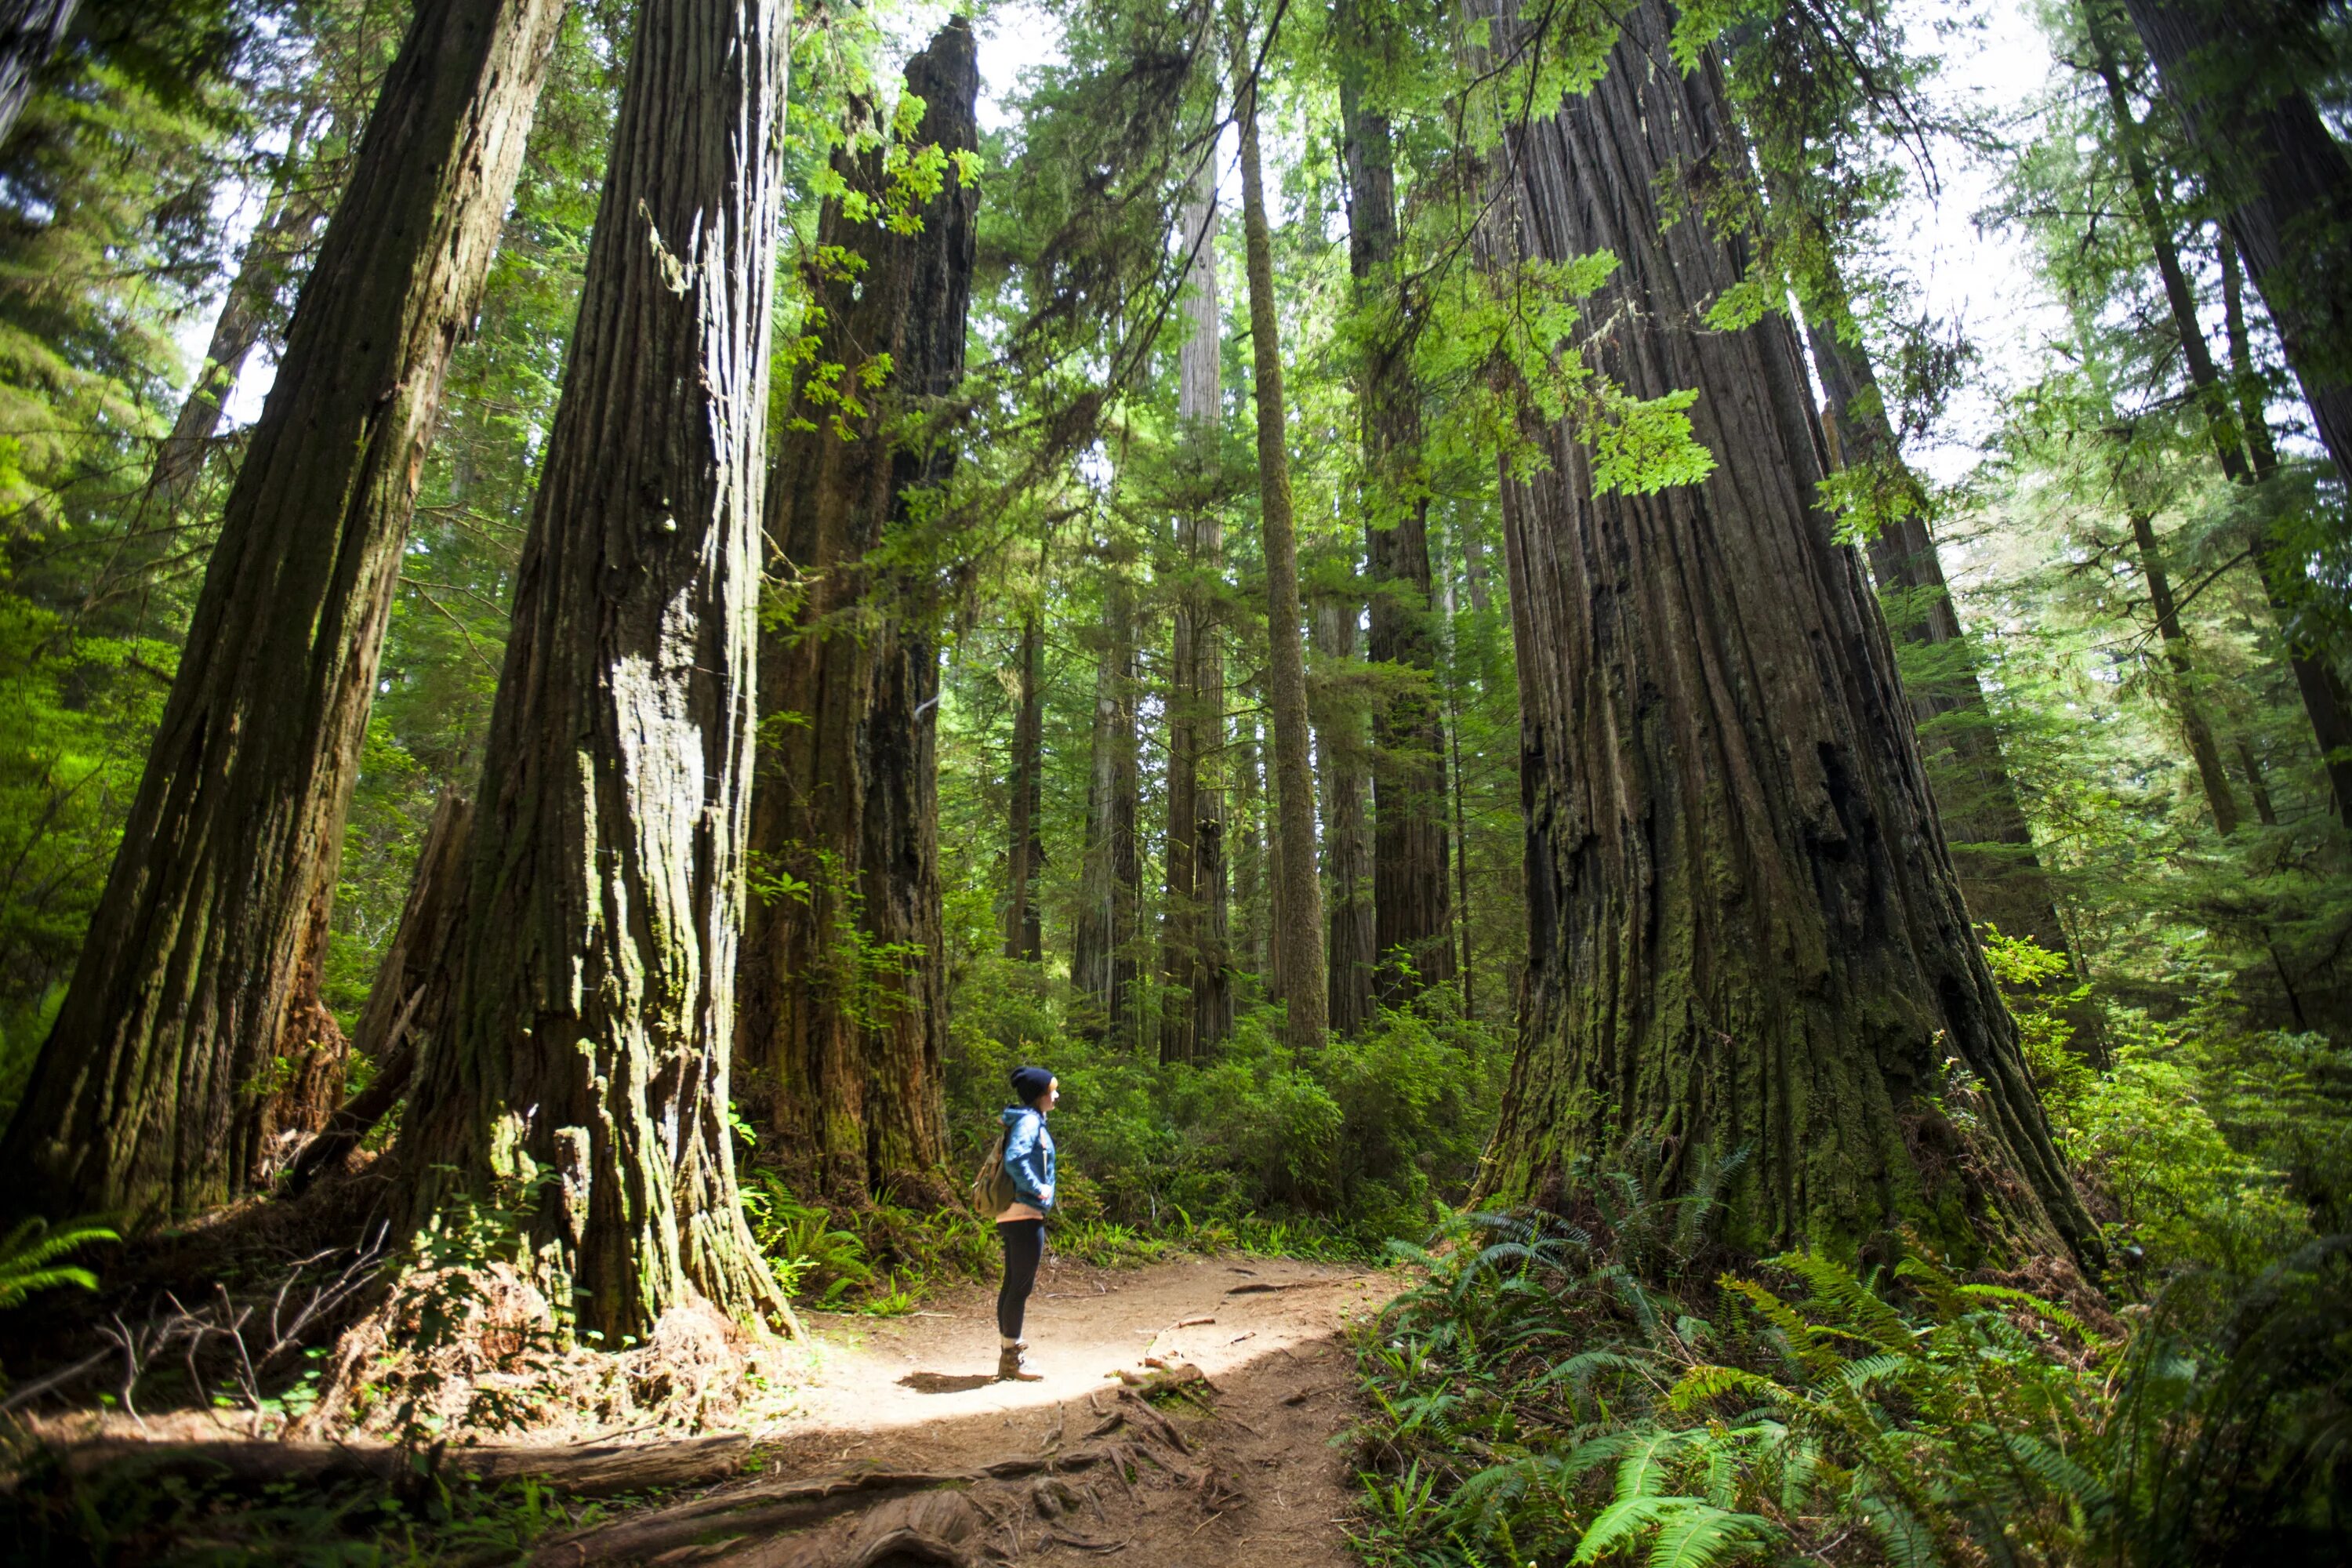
(1621, 1523)
(1701, 1383)
(1907, 1540)
(1861, 1309)
(2025, 1301)
(1701, 1536)
(29, 1250)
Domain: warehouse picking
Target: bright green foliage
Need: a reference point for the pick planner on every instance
(74, 716)
(1355, 1143)
(1538, 1400)
(29, 1254)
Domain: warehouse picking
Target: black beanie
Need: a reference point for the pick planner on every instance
(1029, 1083)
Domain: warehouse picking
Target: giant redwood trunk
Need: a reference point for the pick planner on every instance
(844, 1013)
(1744, 929)
(1413, 920)
(2286, 181)
(1992, 848)
(147, 1097)
(1103, 966)
(1297, 903)
(1198, 1011)
(30, 31)
(583, 1068)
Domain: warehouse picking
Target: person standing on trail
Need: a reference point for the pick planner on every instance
(1029, 1167)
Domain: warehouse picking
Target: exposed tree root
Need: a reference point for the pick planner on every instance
(593, 1469)
(951, 1517)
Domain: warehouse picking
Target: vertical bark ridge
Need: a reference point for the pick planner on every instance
(584, 1068)
(1992, 848)
(845, 1013)
(1745, 932)
(148, 1099)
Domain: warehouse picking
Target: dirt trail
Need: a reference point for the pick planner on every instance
(1252, 1477)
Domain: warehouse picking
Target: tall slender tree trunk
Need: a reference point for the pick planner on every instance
(148, 1097)
(1254, 944)
(2187, 706)
(1194, 963)
(844, 1010)
(584, 1070)
(1341, 738)
(2325, 701)
(1412, 935)
(1992, 848)
(1745, 932)
(1298, 963)
(2285, 179)
(1024, 925)
(30, 31)
(1103, 951)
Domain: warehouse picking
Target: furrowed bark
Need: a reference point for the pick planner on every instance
(1340, 739)
(150, 1096)
(415, 967)
(2325, 701)
(1103, 966)
(844, 1007)
(1024, 923)
(1199, 1009)
(1745, 931)
(1298, 963)
(583, 1075)
(1412, 934)
(1992, 848)
(30, 31)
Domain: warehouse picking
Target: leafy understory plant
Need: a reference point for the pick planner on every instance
(1537, 1400)
(30, 1253)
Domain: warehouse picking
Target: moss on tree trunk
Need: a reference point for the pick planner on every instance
(844, 992)
(1745, 932)
(584, 1068)
(154, 1095)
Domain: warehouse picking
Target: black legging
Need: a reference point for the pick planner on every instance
(1024, 1243)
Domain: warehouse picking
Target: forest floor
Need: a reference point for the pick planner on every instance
(1182, 1414)
(1253, 1470)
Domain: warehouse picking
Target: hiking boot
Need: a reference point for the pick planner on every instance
(1012, 1365)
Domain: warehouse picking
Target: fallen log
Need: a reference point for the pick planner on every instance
(581, 1469)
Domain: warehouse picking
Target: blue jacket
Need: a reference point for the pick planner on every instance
(1029, 1156)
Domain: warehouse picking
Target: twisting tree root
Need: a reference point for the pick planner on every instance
(947, 1517)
